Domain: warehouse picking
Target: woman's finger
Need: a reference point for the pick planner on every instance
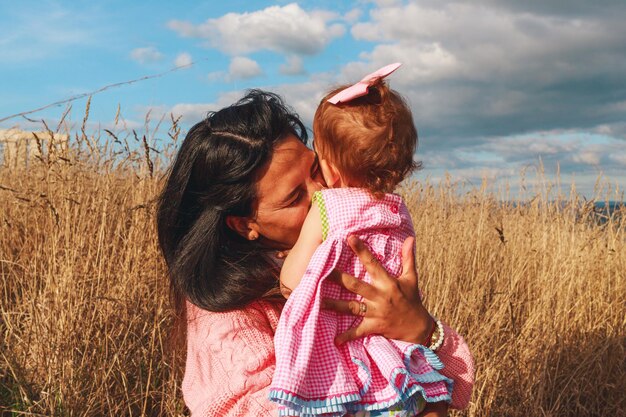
(353, 284)
(353, 307)
(352, 334)
(369, 261)
(409, 273)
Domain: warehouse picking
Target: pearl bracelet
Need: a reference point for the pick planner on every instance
(436, 344)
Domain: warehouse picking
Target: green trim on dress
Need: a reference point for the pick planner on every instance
(319, 199)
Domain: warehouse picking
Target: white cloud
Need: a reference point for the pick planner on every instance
(192, 112)
(485, 68)
(484, 172)
(217, 76)
(146, 55)
(353, 15)
(286, 29)
(620, 158)
(183, 60)
(544, 154)
(494, 86)
(422, 63)
(497, 158)
(243, 68)
(615, 129)
(195, 112)
(304, 97)
(482, 39)
(387, 3)
(604, 129)
(573, 151)
(532, 146)
(293, 66)
(587, 157)
(546, 148)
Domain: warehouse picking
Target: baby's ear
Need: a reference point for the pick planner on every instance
(243, 226)
(330, 173)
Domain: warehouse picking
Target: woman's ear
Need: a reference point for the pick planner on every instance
(243, 226)
(330, 173)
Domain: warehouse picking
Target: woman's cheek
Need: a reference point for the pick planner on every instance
(284, 226)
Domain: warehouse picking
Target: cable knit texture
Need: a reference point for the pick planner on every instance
(230, 362)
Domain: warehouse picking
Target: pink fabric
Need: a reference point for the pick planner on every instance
(312, 375)
(230, 362)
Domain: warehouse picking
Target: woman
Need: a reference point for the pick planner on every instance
(235, 198)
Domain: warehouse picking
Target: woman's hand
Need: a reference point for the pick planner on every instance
(391, 306)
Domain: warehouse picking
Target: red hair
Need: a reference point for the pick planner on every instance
(371, 139)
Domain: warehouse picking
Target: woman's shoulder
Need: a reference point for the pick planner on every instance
(237, 342)
(259, 316)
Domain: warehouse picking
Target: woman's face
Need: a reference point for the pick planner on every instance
(284, 190)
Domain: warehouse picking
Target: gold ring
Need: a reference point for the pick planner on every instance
(362, 309)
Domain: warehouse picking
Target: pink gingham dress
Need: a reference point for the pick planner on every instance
(369, 375)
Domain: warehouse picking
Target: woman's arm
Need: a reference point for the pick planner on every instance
(395, 310)
(458, 365)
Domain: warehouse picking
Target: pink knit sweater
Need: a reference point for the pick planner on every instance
(230, 362)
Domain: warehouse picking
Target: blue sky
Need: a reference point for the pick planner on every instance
(495, 85)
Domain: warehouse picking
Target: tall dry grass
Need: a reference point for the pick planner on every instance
(538, 289)
(84, 307)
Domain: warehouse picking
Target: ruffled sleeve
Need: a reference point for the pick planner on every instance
(458, 366)
(230, 362)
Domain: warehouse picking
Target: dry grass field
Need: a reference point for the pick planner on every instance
(538, 289)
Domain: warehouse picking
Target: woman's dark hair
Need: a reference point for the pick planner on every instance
(213, 177)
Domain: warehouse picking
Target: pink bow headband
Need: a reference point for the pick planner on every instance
(360, 89)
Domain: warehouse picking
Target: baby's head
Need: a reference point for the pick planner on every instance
(367, 142)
